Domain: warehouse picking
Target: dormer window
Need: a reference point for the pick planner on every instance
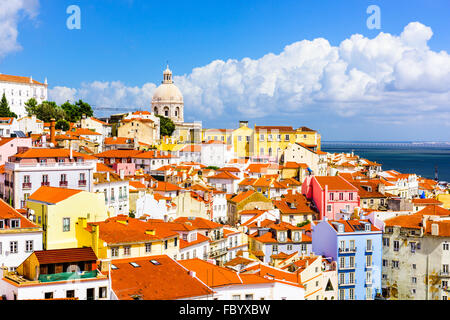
(2, 224)
(367, 226)
(340, 228)
(282, 236)
(15, 223)
(296, 236)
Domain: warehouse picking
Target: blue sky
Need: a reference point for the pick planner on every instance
(127, 42)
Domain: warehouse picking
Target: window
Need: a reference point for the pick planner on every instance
(413, 247)
(114, 252)
(70, 294)
(13, 247)
(329, 208)
(286, 137)
(148, 247)
(341, 196)
(341, 294)
(395, 264)
(249, 297)
(396, 245)
(352, 261)
(445, 246)
(368, 293)
(289, 247)
(2, 224)
(261, 137)
(275, 248)
(342, 262)
(350, 196)
(414, 280)
(166, 244)
(352, 244)
(66, 224)
(369, 245)
(352, 277)
(102, 293)
(331, 196)
(48, 295)
(341, 278)
(236, 297)
(126, 250)
(351, 293)
(445, 268)
(386, 242)
(368, 277)
(15, 223)
(28, 245)
(369, 261)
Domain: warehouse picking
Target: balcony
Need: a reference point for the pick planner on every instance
(347, 267)
(444, 274)
(82, 183)
(369, 249)
(347, 250)
(217, 252)
(63, 184)
(344, 284)
(26, 185)
(368, 282)
(45, 183)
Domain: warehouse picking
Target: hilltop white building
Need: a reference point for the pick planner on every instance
(19, 90)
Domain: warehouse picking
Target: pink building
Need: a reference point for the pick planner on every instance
(333, 196)
(11, 146)
(128, 168)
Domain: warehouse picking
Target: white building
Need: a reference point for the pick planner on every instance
(19, 90)
(30, 124)
(29, 170)
(116, 190)
(8, 126)
(216, 153)
(19, 237)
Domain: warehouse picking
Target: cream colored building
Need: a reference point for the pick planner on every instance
(301, 153)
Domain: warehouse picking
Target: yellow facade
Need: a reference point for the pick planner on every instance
(142, 130)
(308, 137)
(51, 217)
(445, 199)
(91, 238)
(272, 141)
(223, 135)
(242, 141)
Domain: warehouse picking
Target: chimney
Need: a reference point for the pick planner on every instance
(258, 223)
(193, 274)
(52, 132)
(243, 124)
(71, 150)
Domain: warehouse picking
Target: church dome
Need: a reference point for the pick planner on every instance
(167, 91)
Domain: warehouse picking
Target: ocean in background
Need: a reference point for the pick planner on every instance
(405, 157)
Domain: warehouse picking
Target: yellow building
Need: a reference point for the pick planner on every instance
(308, 136)
(124, 237)
(242, 140)
(57, 210)
(223, 135)
(445, 199)
(270, 141)
(144, 130)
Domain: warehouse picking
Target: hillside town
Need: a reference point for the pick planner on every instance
(115, 209)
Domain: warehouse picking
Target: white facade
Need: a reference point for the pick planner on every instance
(26, 178)
(260, 291)
(216, 154)
(219, 206)
(8, 126)
(30, 124)
(15, 247)
(19, 90)
(59, 289)
(148, 205)
(116, 196)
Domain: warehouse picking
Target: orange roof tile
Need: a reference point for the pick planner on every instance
(52, 195)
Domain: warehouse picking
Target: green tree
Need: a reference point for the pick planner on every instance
(63, 125)
(4, 108)
(30, 106)
(48, 110)
(71, 111)
(167, 127)
(304, 223)
(84, 108)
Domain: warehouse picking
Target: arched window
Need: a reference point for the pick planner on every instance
(166, 111)
(177, 111)
(156, 110)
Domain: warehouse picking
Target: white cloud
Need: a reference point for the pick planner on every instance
(387, 76)
(11, 11)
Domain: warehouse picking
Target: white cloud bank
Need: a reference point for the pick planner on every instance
(382, 79)
(11, 11)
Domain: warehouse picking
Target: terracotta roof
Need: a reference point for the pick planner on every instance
(127, 153)
(8, 212)
(200, 239)
(294, 165)
(83, 132)
(137, 185)
(52, 195)
(18, 79)
(103, 168)
(241, 196)
(198, 223)
(51, 153)
(153, 154)
(350, 225)
(100, 121)
(274, 128)
(192, 148)
(426, 202)
(293, 204)
(118, 140)
(229, 169)
(123, 229)
(224, 175)
(65, 255)
(216, 276)
(167, 280)
(166, 186)
(335, 183)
